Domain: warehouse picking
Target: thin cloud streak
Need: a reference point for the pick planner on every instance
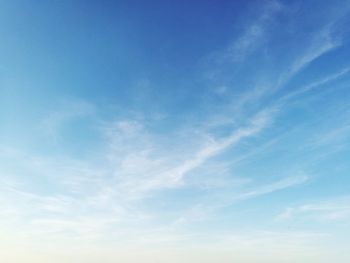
(336, 209)
(276, 186)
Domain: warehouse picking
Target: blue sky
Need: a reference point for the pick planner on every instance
(174, 131)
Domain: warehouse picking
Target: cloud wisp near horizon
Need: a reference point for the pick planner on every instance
(167, 132)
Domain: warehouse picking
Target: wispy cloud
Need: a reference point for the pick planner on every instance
(149, 169)
(273, 187)
(336, 209)
(321, 43)
(83, 196)
(211, 205)
(316, 84)
(252, 37)
(66, 112)
(334, 137)
(254, 34)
